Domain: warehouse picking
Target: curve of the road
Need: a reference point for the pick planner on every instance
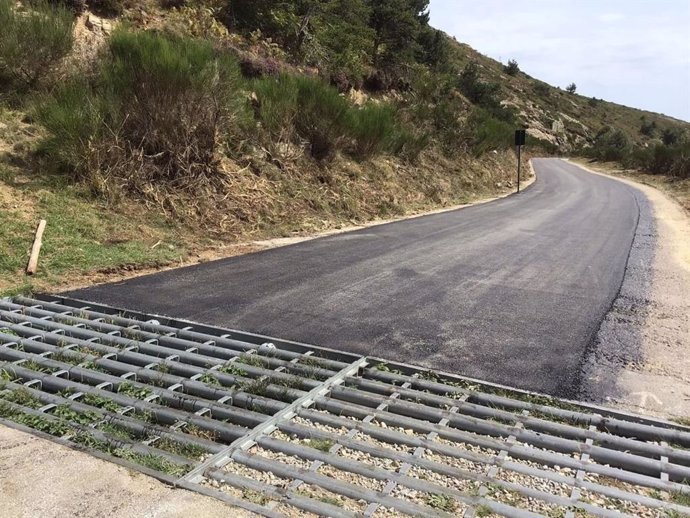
(511, 291)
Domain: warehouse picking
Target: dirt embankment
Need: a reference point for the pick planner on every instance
(640, 360)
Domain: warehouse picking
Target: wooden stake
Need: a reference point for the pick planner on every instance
(36, 248)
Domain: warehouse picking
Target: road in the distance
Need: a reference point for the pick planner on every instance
(510, 291)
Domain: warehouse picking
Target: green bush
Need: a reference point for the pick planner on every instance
(373, 128)
(321, 117)
(490, 133)
(33, 40)
(475, 89)
(612, 144)
(75, 119)
(671, 160)
(292, 107)
(158, 109)
(512, 68)
(407, 144)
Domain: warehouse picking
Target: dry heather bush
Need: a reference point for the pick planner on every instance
(33, 40)
(156, 116)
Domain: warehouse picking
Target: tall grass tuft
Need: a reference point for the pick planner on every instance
(157, 112)
(33, 40)
(322, 116)
(490, 133)
(298, 109)
(373, 128)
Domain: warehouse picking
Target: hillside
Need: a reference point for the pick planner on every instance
(569, 120)
(162, 132)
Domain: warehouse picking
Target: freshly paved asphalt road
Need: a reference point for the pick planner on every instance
(511, 291)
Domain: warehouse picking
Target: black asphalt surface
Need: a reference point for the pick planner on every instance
(510, 291)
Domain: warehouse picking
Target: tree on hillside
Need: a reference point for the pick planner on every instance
(571, 88)
(671, 136)
(397, 25)
(433, 48)
(648, 128)
(476, 90)
(512, 68)
(342, 38)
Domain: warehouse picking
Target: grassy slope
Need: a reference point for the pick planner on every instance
(86, 239)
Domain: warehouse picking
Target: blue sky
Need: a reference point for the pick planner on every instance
(633, 52)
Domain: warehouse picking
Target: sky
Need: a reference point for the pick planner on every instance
(632, 52)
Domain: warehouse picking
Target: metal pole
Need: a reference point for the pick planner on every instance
(519, 160)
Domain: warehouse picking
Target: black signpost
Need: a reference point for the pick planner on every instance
(520, 136)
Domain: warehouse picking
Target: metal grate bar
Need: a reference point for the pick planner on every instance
(227, 412)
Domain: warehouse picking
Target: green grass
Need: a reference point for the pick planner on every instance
(117, 431)
(680, 498)
(233, 369)
(23, 397)
(82, 235)
(255, 497)
(132, 391)
(191, 451)
(319, 444)
(68, 414)
(441, 502)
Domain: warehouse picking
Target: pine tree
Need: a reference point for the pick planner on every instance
(397, 25)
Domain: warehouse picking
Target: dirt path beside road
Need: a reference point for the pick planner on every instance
(41, 478)
(646, 336)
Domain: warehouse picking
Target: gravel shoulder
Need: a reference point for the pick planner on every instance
(41, 478)
(639, 360)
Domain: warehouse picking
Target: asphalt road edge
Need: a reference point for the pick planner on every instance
(612, 347)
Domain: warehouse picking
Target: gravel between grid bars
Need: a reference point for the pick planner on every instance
(286, 429)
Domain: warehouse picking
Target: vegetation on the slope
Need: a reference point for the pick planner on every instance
(32, 41)
(261, 118)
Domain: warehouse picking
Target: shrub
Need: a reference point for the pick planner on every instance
(373, 127)
(305, 107)
(490, 133)
(512, 68)
(75, 119)
(612, 144)
(157, 112)
(32, 41)
(407, 144)
(571, 88)
(321, 117)
(477, 91)
(648, 128)
(542, 89)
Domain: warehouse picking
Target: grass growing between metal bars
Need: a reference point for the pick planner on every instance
(680, 498)
(441, 502)
(68, 414)
(255, 497)
(22, 397)
(100, 402)
(147, 460)
(163, 435)
(132, 391)
(319, 444)
(55, 428)
(482, 511)
(190, 451)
